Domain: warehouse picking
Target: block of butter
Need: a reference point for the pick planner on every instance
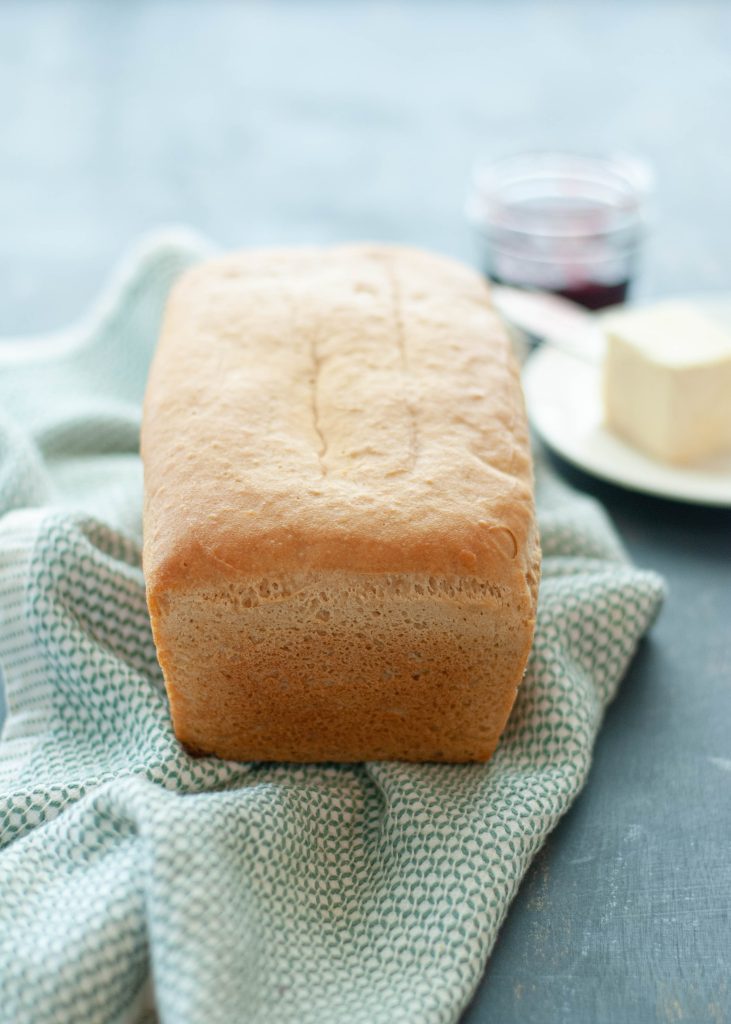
(667, 381)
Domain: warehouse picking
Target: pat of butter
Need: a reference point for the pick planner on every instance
(667, 381)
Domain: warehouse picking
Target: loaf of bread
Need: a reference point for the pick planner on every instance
(340, 547)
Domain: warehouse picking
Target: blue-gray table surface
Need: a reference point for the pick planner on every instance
(283, 122)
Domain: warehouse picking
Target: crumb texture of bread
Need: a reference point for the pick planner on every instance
(340, 547)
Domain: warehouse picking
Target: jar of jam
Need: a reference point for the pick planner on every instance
(561, 222)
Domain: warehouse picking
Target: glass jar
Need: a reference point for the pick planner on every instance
(562, 222)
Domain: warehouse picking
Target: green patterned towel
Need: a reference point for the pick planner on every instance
(137, 882)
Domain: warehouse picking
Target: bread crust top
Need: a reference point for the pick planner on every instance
(355, 408)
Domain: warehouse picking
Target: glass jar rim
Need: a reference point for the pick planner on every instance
(570, 260)
(627, 179)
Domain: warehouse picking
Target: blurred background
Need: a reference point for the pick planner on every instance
(266, 122)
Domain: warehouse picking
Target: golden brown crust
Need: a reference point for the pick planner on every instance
(350, 410)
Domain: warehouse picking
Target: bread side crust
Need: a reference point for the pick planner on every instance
(343, 667)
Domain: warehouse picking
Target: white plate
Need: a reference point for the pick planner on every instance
(563, 398)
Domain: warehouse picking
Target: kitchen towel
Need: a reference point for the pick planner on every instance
(138, 883)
